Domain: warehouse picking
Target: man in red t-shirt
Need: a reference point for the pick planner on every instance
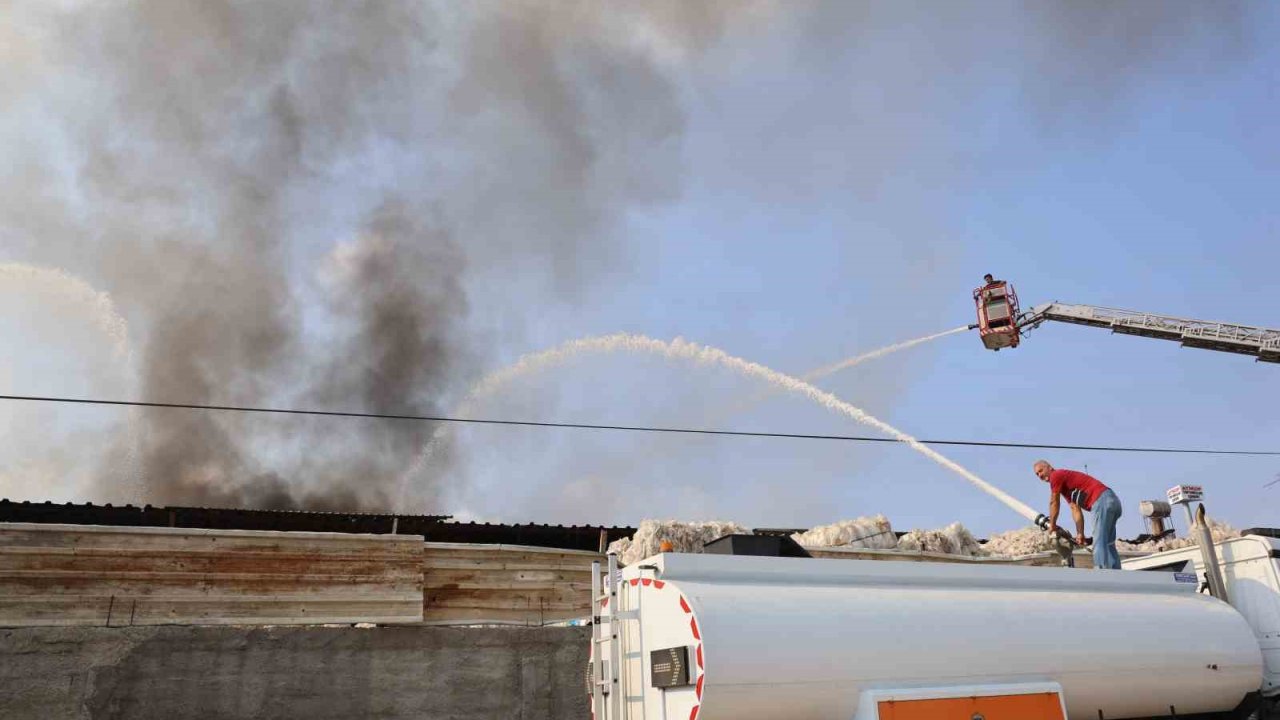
(1084, 491)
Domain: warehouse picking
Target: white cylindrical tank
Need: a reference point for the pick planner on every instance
(803, 639)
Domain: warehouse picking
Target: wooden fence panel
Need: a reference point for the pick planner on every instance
(510, 584)
(97, 575)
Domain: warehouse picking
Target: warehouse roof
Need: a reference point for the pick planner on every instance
(435, 528)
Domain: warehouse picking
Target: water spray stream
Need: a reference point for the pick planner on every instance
(680, 349)
(59, 282)
(542, 361)
(723, 414)
(834, 368)
(827, 370)
(102, 311)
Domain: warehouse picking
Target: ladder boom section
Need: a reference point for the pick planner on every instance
(1261, 343)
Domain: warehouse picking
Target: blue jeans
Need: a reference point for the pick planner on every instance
(1106, 512)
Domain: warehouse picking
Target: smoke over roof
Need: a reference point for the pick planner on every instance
(296, 202)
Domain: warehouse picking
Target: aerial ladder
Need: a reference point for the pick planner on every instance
(1001, 324)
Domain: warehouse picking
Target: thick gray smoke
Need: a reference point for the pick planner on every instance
(290, 195)
(397, 290)
(298, 203)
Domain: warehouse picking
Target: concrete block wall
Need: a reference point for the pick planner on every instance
(286, 673)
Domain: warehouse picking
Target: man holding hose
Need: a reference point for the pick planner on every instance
(1084, 491)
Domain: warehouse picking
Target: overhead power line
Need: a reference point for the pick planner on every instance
(627, 428)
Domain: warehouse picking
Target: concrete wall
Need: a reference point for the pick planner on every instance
(308, 673)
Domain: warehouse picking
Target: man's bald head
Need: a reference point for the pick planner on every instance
(1042, 469)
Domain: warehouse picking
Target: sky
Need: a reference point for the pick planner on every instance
(372, 218)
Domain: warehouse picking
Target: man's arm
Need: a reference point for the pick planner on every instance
(1053, 511)
(1078, 514)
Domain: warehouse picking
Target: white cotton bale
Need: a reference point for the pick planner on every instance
(954, 539)
(685, 537)
(872, 532)
(1015, 543)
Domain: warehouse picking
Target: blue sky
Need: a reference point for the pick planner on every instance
(840, 181)
(1159, 200)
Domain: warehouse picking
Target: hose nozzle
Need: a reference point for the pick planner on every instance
(1042, 522)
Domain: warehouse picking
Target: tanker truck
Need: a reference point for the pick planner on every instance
(738, 637)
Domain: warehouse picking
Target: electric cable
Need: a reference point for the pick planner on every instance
(626, 428)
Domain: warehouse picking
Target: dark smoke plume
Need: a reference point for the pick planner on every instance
(293, 197)
(398, 290)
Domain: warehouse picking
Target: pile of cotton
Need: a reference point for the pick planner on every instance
(953, 539)
(1023, 541)
(685, 537)
(872, 532)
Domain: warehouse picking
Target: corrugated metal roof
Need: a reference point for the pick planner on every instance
(214, 518)
(572, 537)
(435, 528)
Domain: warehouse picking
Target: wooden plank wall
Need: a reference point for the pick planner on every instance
(507, 584)
(97, 575)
